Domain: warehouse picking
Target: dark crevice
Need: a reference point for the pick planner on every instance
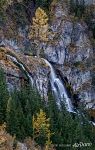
(74, 97)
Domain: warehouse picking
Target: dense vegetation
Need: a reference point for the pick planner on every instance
(18, 108)
(21, 109)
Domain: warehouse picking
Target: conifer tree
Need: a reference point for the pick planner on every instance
(39, 29)
(68, 128)
(3, 97)
(15, 117)
(53, 114)
(43, 3)
(20, 109)
(11, 116)
(41, 128)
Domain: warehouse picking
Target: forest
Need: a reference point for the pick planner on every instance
(47, 79)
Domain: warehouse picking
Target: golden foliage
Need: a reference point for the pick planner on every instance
(40, 122)
(7, 142)
(39, 28)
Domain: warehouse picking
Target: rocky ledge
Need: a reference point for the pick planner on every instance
(27, 68)
(71, 52)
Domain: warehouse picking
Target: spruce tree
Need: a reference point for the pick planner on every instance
(11, 118)
(22, 105)
(3, 97)
(15, 117)
(69, 128)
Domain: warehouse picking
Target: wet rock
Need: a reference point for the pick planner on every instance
(72, 54)
(26, 69)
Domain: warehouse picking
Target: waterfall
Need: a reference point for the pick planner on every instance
(57, 86)
(14, 59)
(59, 89)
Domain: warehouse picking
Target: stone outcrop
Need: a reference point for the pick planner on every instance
(85, 2)
(16, 75)
(71, 52)
(69, 49)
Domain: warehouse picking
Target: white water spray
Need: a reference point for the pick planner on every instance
(59, 89)
(22, 66)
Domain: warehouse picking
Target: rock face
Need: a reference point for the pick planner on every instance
(16, 75)
(86, 2)
(69, 49)
(72, 53)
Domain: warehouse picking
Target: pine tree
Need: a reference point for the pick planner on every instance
(15, 117)
(11, 116)
(77, 7)
(41, 128)
(53, 114)
(20, 108)
(39, 29)
(43, 3)
(27, 119)
(3, 97)
(68, 128)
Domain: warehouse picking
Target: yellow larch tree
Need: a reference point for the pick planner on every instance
(39, 29)
(41, 123)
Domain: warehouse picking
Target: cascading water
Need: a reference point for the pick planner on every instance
(60, 92)
(22, 66)
(57, 85)
(59, 89)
